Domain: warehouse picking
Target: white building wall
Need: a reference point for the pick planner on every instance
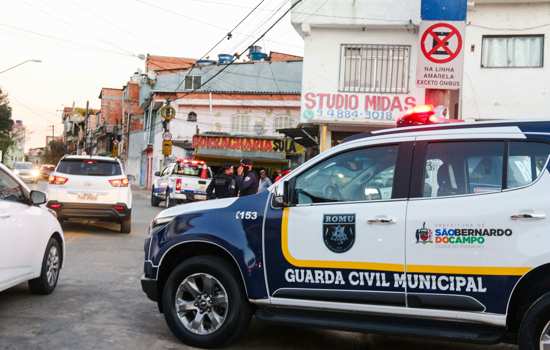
(496, 93)
(136, 147)
(322, 62)
(486, 93)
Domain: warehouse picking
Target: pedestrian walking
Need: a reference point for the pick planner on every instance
(223, 185)
(265, 181)
(247, 180)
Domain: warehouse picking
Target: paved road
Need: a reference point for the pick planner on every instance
(99, 304)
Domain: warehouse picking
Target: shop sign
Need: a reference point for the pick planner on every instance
(440, 55)
(246, 144)
(345, 107)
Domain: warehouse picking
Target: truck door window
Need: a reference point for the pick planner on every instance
(456, 168)
(359, 175)
(526, 160)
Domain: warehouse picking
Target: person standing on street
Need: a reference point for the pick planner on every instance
(265, 181)
(247, 180)
(223, 185)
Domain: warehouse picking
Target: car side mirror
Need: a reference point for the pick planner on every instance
(37, 197)
(157, 173)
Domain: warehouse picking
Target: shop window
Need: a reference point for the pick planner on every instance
(374, 68)
(507, 51)
(359, 175)
(192, 82)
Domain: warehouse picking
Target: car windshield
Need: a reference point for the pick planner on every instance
(90, 167)
(23, 165)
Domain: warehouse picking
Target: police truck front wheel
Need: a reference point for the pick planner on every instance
(534, 332)
(205, 303)
(155, 201)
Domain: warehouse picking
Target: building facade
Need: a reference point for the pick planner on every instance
(248, 101)
(361, 60)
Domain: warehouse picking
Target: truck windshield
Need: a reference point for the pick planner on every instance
(90, 167)
(196, 170)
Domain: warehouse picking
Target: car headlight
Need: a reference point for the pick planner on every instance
(158, 222)
(35, 173)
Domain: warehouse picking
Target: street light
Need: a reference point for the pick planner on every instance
(20, 64)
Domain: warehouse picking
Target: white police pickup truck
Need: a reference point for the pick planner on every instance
(185, 180)
(430, 231)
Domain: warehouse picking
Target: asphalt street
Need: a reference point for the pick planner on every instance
(98, 304)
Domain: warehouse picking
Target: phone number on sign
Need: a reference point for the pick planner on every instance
(353, 115)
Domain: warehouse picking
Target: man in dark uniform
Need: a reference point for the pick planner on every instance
(247, 180)
(223, 185)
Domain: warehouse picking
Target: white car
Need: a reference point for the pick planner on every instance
(36, 248)
(185, 180)
(26, 171)
(91, 187)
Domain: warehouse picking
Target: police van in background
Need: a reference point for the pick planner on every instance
(185, 180)
(434, 231)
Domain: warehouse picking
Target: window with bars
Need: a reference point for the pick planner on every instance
(240, 124)
(192, 82)
(374, 68)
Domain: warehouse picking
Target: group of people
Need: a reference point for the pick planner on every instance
(242, 183)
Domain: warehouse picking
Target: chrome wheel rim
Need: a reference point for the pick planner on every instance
(545, 338)
(201, 304)
(52, 266)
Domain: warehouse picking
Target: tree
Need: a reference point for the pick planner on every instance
(53, 153)
(6, 124)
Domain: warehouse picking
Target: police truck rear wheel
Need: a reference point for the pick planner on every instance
(205, 303)
(155, 201)
(534, 332)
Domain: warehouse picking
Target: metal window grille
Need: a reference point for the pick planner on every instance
(374, 68)
(192, 82)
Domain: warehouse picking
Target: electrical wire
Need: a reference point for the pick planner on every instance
(508, 29)
(73, 42)
(228, 36)
(244, 51)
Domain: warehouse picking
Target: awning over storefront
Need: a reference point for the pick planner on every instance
(305, 136)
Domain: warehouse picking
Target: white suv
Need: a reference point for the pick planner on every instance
(91, 187)
(33, 245)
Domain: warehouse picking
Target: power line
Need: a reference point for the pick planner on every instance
(228, 36)
(53, 37)
(242, 52)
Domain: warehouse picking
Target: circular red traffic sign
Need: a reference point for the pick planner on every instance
(441, 43)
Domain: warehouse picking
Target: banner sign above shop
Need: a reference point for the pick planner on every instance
(349, 107)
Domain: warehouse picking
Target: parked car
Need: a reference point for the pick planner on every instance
(33, 246)
(26, 171)
(434, 231)
(185, 180)
(91, 187)
(46, 170)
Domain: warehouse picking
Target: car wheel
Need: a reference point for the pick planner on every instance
(204, 303)
(51, 266)
(126, 225)
(534, 331)
(155, 201)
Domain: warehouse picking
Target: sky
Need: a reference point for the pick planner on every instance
(87, 45)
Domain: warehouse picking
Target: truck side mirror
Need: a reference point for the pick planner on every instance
(157, 173)
(282, 194)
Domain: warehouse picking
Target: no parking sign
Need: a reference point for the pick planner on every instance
(441, 55)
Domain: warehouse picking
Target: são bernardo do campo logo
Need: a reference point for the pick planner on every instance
(472, 235)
